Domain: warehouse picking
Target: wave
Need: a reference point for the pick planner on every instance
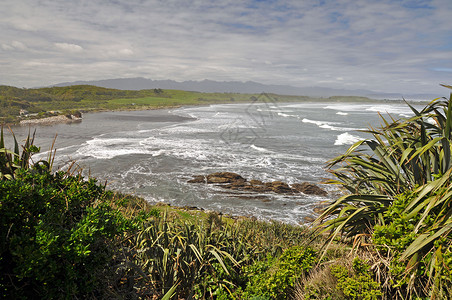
(342, 113)
(110, 148)
(391, 109)
(286, 115)
(328, 125)
(346, 107)
(324, 124)
(259, 148)
(346, 139)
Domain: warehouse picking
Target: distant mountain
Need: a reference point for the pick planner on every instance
(249, 87)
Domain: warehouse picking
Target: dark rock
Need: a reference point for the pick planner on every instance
(234, 181)
(198, 179)
(219, 177)
(278, 183)
(224, 177)
(257, 188)
(309, 189)
(280, 187)
(256, 182)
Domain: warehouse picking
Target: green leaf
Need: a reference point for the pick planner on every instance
(170, 292)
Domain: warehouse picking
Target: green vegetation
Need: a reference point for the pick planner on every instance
(399, 200)
(65, 236)
(389, 237)
(344, 279)
(40, 102)
(356, 283)
(275, 278)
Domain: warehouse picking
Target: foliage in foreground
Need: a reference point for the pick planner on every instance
(400, 199)
(275, 278)
(64, 236)
(57, 237)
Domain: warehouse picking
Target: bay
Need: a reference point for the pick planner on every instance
(154, 153)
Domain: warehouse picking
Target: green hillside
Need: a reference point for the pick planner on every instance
(38, 102)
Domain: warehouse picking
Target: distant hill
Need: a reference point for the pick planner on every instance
(210, 86)
(248, 87)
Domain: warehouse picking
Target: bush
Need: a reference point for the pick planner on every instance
(56, 236)
(275, 278)
(400, 186)
(394, 238)
(357, 284)
(345, 279)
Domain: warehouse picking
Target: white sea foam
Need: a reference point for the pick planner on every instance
(286, 115)
(325, 125)
(107, 148)
(159, 152)
(346, 139)
(341, 113)
(346, 107)
(259, 148)
(391, 109)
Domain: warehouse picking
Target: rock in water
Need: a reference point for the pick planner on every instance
(309, 189)
(198, 179)
(234, 181)
(280, 187)
(224, 177)
(218, 177)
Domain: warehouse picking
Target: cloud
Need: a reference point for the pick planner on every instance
(380, 45)
(443, 69)
(116, 52)
(14, 46)
(73, 48)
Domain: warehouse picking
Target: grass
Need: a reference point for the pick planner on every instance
(92, 98)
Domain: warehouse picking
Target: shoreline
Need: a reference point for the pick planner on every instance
(59, 119)
(64, 119)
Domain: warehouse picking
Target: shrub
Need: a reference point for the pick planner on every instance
(430, 270)
(403, 154)
(357, 284)
(275, 278)
(56, 236)
(408, 161)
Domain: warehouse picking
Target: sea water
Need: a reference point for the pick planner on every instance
(154, 153)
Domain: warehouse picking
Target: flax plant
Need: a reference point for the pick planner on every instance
(176, 254)
(407, 155)
(11, 161)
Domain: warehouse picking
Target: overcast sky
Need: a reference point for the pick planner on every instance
(388, 46)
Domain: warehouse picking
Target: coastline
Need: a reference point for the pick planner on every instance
(51, 120)
(65, 119)
(107, 146)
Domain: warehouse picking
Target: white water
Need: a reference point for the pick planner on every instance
(154, 153)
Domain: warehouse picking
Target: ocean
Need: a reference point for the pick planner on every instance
(153, 153)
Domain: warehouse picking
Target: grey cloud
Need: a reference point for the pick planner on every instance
(380, 45)
(69, 47)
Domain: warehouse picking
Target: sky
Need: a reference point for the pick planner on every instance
(400, 46)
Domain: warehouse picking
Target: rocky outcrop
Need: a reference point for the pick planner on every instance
(309, 189)
(219, 177)
(52, 120)
(233, 181)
